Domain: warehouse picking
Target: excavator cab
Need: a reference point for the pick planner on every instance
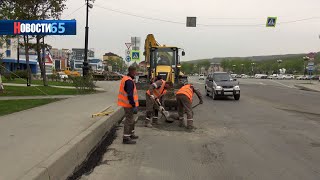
(163, 62)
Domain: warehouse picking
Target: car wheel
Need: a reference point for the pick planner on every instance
(237, 97)
(207, 93)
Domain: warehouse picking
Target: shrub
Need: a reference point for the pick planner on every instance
(21, 74)
(83, 84)
(9, 76)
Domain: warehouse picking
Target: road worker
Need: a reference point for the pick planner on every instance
(156, 90)
(128, 99)
(184, 99)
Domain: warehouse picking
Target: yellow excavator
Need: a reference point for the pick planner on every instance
(164, 61)
(69, 72)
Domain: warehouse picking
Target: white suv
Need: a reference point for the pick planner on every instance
(288, 76)
(201, 77)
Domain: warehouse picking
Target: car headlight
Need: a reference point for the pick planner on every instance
(219, 88)
(236, 87)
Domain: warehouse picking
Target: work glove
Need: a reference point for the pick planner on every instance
(201, 102)
(135, 110)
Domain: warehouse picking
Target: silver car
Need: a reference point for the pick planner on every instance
(221, 84)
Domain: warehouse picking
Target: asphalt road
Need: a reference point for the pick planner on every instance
(273, 132)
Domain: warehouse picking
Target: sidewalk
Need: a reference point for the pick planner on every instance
(63, 87)
(315, 86)
(32, 141)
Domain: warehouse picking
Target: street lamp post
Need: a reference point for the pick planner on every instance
(242, 65)
(252, 65)
(85, 68)
(69, 52)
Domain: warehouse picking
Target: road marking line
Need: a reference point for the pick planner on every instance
(281, 84)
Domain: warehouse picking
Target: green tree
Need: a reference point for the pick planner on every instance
(187, 68)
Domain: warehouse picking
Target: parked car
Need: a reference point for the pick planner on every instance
(233, 75)
(288, 76)
(316, 77)
(201, 77)
(303, 78)
(261, 76)
(273, 76)
(280, 76)
(62, 75)
(221, 84)
(244, 76)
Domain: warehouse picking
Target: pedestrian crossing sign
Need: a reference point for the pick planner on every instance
(135, 55)
(271, 21)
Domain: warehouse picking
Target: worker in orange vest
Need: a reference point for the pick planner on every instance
(155, 92)
(184, 99)
(128, 99)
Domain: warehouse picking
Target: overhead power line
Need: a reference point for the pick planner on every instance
(200, 24)
(74, 11)
(135, 15)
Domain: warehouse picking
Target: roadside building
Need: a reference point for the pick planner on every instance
(110, 56)
(10, 62)
(60, 58)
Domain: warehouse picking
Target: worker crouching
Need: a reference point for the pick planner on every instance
(184, 99)
(155, 92)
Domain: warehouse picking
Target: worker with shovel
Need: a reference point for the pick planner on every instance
(184, 99)
(153, 98)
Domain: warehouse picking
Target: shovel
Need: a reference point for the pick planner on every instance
(163, 112)
(195, 105)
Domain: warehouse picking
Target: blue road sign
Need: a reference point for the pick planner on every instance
(128, 58)
(271, 21)
(135, 55)
(310, 66)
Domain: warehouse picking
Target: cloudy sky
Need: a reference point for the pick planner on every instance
(228, 27)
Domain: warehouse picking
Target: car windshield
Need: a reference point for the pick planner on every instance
(164, 56)
(222, 77)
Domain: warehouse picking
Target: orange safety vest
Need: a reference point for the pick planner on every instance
(123, 99)
(186, 90)
(158, 92)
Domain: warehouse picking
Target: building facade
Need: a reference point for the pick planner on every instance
(110, 56)
(78, 54)
(9, 57)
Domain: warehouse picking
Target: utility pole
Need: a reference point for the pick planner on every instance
(85, 68)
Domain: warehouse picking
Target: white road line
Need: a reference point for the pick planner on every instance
(262, 83)
(281, 84)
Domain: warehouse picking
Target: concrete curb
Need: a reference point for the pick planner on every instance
(69, 157)
(305, 88)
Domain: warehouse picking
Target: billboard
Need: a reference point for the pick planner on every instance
(38, 27)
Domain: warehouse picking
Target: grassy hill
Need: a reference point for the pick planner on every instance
(253, 58)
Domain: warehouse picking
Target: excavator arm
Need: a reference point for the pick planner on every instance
(150, 42)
